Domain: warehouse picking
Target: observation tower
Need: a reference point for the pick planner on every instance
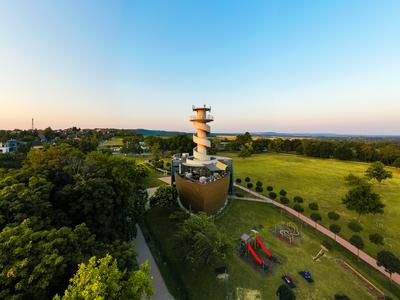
(203, 181)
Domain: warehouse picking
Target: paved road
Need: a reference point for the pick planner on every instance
(143, 253)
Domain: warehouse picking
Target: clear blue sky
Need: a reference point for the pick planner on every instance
(288, 66)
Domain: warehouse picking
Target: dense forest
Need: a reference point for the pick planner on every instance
(62, 207)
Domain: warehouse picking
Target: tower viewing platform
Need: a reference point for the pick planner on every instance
(203, 181)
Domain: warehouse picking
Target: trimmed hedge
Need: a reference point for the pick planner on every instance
(313, 206)
(272, 195)
(298, 199)
(376, 238)
(335, 228)
(355, 226)
(284, 200)
(357, 241)
(316, 217)
(333, 215)
(299, 208)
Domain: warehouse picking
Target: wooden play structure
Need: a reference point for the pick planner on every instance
(288, 232)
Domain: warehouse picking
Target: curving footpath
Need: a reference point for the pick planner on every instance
(361, 254)
(144, 254)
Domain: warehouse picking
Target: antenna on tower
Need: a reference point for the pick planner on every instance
(33, 124)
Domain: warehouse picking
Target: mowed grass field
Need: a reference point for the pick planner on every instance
(115, 141)
(239, 218)
(322, 181)
(152, 180)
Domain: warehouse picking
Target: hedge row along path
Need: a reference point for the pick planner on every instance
(346, 244)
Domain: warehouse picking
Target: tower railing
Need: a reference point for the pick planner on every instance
(207, 117)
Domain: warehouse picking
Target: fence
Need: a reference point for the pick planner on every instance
(346, 244)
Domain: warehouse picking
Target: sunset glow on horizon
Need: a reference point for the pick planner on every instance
(297, 67)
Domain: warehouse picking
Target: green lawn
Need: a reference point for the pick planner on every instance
(322, 181)
(115, 141)
(152, 179)
(239, 218)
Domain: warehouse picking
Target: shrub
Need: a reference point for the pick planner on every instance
(259, 183)
(333, 215)
(249, 185)
(240, 195)
(247, 179)
(282, 192)
(168, 164)
(158, 164)
(238, 180)
(285, 293)
(357, 241)
(313, 206)
(259, 189)
(270, 188)
(341, 297)
(316, 217)
(272, 195)
(335, 228)
(165, 196)
(355, 226)
(376, 238)
(297, 207)
(284, 200)
(298, 199)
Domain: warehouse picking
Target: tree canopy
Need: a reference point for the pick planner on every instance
(165, 196)
(377, 171)
(61, 207)
(201, 241)
(389, 261)
(101, 279)
(363, 200)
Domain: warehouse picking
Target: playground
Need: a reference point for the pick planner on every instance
(249, 223)
(322, 181)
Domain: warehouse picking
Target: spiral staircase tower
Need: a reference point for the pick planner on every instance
(200, 121)
(203, 181)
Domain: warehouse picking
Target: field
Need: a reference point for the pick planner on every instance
(322, 181)
(152, 179)
(240, 217)
(115, 141)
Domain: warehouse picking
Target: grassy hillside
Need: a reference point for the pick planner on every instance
(240, 217)
(322, 181)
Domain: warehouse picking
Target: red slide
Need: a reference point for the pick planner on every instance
(263, 247)
(259, 261)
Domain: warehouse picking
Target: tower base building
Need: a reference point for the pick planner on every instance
(203, 182)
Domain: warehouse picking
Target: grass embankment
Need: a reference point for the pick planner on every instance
(239, 218)
(322, 181)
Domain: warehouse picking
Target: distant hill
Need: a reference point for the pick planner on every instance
(272, 134)
(158, 132)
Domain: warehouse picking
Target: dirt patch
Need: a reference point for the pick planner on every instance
(247, 294)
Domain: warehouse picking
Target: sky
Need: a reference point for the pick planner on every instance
(285, 66)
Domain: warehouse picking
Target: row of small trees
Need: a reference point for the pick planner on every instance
(360, 198)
